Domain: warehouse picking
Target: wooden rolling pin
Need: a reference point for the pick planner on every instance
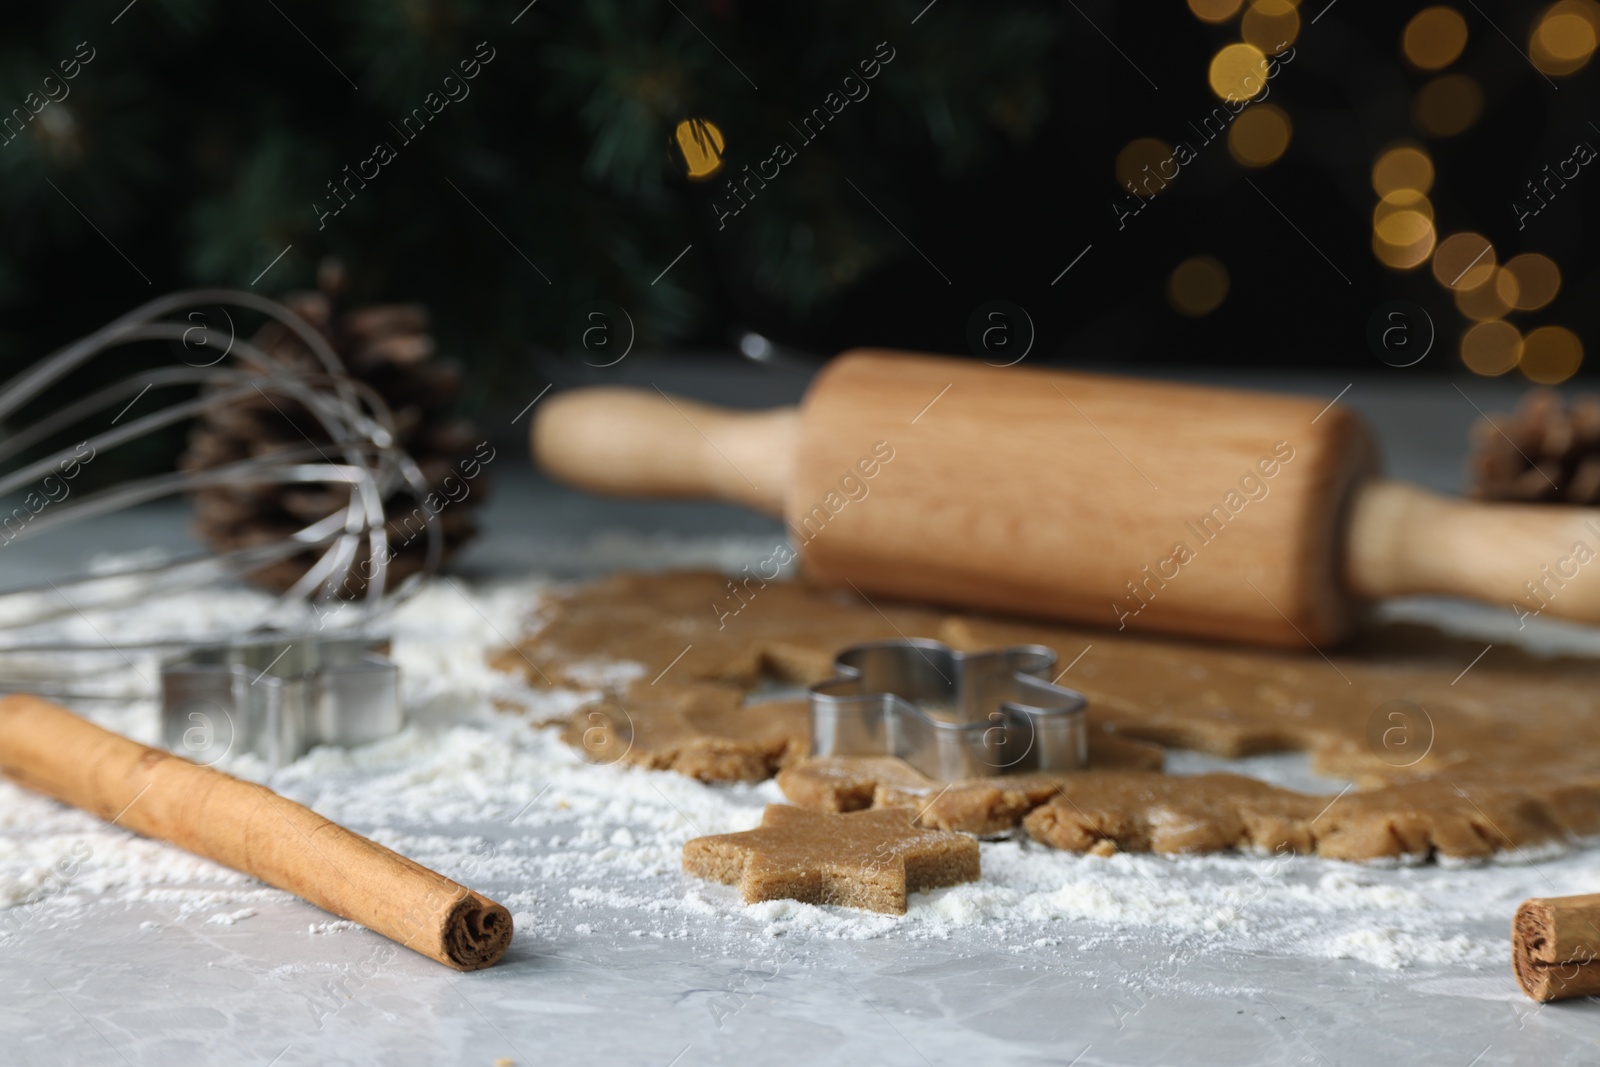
(1111, 501)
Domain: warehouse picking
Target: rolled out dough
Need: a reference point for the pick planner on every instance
(1501, 758)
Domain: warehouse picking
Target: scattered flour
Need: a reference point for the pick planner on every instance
(231, 917)
(577, 850)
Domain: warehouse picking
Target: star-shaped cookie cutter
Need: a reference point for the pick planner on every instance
(950, 714)
(277, 696)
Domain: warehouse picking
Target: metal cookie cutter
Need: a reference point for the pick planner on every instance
(277, 697)
(950, 714)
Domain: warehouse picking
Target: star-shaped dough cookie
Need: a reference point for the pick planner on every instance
(864, 859)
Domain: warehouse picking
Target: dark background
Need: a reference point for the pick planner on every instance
(200, 135)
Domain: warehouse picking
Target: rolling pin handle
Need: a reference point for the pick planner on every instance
(1532, 559)
(643, 442)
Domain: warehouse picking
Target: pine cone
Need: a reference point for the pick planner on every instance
(389, 348)
(1544, 452)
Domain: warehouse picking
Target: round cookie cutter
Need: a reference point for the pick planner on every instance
(950, 714)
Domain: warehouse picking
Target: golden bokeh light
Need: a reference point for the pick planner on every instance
(1198, 286)
(1259, 135)
(1491, 348)
(1488, 300)
(1238, 72)
(1402, 227)
(1214, 10)
(1404, 256)
(1397, 202)
(1464, 261)
(1434, 37)
(1447, 105)
(1551, 354)
(701, 144)
(1402, 167)
(1564, 36)
(1145, 165)
(1270, 25)
(1534, 281)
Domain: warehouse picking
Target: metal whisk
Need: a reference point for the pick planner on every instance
(361, 458)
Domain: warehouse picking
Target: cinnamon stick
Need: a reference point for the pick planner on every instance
(1555, 947)
(249, 828)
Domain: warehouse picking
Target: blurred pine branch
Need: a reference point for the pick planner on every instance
(201, 134)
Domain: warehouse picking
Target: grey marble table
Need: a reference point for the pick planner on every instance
(122, 981)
